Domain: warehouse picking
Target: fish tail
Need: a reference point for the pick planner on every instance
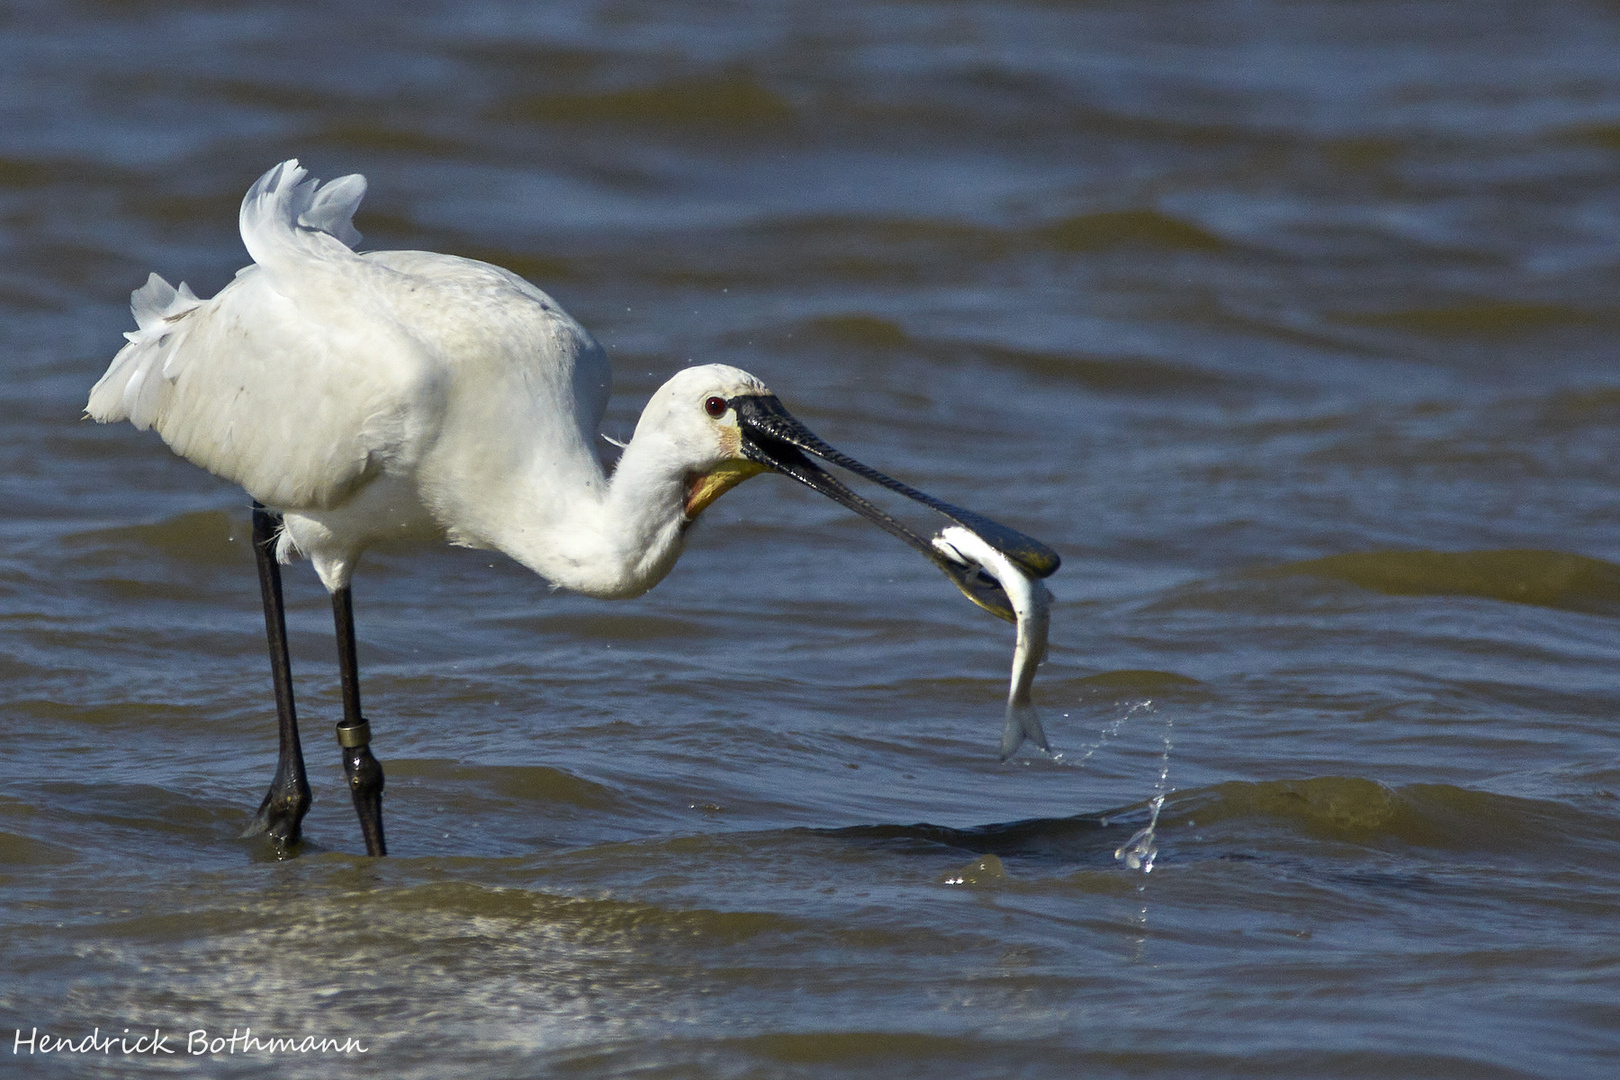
(1023, 722)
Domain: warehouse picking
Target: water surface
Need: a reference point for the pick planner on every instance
(1290, 325)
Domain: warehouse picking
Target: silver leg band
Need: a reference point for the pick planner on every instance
(353, 735)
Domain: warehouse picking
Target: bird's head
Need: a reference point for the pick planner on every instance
(728, 427)
(693, 412)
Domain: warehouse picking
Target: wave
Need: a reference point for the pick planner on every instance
(1480, 319)
(21, 851)
(720, 101)
(1250, 814)
(210, 537)
(1142, 228)
(1102, 373)
(1554, 579)
(1141, 681)
(520, 785)
(1346, 808)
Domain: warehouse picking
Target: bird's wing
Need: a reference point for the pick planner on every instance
(295, 381)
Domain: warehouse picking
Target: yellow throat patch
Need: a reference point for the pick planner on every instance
(703, 488)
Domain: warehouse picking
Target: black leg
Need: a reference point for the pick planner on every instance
(354, 733)
(287, 801)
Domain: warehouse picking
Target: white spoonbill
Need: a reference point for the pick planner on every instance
(405, 394)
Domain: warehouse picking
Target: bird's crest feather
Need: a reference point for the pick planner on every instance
(288, 215)
(133, 387)
(287, 219)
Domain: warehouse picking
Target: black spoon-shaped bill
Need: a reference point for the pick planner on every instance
(773, 437)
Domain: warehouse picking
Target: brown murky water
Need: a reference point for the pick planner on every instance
(1291, 325)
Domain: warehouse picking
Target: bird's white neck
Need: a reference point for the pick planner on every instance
(608, 537)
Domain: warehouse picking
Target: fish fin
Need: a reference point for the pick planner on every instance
(1023, 722)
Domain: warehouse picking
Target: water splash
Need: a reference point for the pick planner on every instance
(1109, 732)
(1140, 850)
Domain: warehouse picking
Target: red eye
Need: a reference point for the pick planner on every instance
(715, 406)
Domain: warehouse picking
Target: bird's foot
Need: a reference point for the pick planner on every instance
(365, 781)
(281, 814)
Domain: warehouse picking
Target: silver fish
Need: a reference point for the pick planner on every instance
(1032, 604)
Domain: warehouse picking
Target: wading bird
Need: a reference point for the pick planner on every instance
(404, 394)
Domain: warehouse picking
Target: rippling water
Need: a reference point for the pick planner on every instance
(1291, 325)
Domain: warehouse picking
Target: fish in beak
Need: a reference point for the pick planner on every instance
(773, 438)
(1032, 604)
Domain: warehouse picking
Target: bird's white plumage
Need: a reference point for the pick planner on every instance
(403, 393)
